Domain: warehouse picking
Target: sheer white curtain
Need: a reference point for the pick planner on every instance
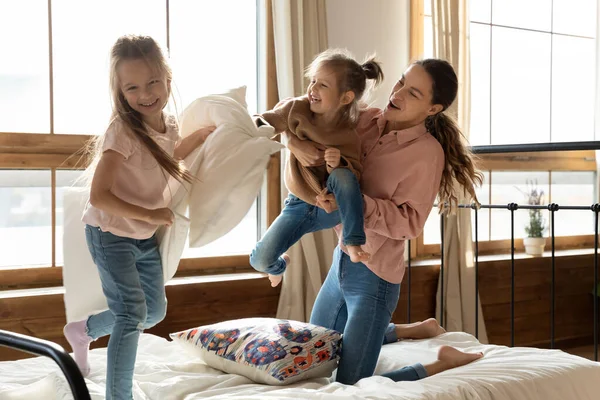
(451, 42)
(300, 33)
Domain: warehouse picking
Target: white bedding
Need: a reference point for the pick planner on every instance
(164, 371)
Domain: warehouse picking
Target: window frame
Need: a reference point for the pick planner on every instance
(53, 152)
(546, 161)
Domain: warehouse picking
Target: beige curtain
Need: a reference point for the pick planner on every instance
(300, 33)
(451, 42)
(597, 108)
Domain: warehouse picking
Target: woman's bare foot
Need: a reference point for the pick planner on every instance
(276, 279)
(419, 330)
(448, 358)
(455, 358)
(357, 254)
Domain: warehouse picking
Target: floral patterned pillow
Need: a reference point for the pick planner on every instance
(265, 350)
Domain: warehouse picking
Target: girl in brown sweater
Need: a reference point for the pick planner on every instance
(327, 116)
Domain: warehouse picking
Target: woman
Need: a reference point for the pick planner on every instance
(411, 152)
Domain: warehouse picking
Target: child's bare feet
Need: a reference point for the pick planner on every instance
(276, 279)
(455, 358)
(357, 254)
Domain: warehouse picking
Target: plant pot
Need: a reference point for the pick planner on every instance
(534, 246)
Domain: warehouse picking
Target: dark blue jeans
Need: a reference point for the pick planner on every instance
(299, 218)
(359, 304)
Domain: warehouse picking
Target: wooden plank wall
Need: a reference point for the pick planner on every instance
(204, 303)
(574, 304)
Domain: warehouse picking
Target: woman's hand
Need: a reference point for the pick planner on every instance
(308, 153)
(327, 202)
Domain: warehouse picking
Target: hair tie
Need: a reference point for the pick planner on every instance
(430, 122)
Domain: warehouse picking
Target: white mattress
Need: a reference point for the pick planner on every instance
(164, 371)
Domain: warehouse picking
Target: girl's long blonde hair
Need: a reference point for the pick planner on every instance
(135, 47)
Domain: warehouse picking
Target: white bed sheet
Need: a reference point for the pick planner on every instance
(165, 372)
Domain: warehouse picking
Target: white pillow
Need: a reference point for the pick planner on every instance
(230, 165)
(265, 350)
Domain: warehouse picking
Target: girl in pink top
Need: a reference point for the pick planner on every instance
(411, 153)
(132, 161)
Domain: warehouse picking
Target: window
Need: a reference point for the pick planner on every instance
(524, 90)
(56, 94)
(522, 59)
(25, 217)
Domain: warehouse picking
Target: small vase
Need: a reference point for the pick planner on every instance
(534, 246)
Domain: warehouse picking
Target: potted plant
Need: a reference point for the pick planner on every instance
(536, 226)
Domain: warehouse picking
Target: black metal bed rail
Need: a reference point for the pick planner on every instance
(553, 208)
(52, 350)
(535, 147)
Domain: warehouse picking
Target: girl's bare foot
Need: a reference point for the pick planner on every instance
(276, 279)
(419, 330)
(455, 358)
(357, 254)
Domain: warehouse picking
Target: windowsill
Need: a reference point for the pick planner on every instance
(421, 262)
(6, 294)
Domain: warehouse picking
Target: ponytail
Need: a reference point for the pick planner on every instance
(459, 161)
(372, 70)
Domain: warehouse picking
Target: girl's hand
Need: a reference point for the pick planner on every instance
(161, 216)
(332, 157)
(327, 202)
(309, 154)
(191, 142)
(204, 133)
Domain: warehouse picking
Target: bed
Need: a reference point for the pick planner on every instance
(164, 371)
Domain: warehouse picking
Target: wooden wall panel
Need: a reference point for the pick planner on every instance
(574, 304)
(424, 282)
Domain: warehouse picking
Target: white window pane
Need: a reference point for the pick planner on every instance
(240, 240)
(431, 232)
(207, 54)
(480, 85)
(574, 188)
(427, 7)
(427, 37)
(572, 91)
(520, 86)
(25, 218)
(483, 217)
(83, 33)
(64, 180)
(510, 187)
(24, 76)
(575, 17)
(481, 10)
(530, 14)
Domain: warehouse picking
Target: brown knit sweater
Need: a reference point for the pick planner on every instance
(293, 115)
